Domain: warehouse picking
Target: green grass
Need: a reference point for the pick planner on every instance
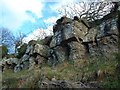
(11, 79)
(110, 82)
(79, 70)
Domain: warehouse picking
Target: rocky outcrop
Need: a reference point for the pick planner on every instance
(106, 39)
(66, 43)
(77, 50)
(76, 39)
(9, 63)
(41, 50)
(73, 39)
(35, 54)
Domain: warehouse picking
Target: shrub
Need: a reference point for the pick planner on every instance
(21, 50)
(3, 51)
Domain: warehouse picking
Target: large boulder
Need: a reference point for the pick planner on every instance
(68, 32)
(25, 64)
(80, 30)
(52, 58)
(91, 35)
(74, 29)
(31, 62)
(18, 68)
(61, 53)
(9, 63)
(107, 28)
(30, 47)
(72, 40)
(25, 58)
(15, 60)
(41, 50)
(106, 39)
(77, 50)
(106, 46)
(60, 23)
(29, 50)
(56, 39)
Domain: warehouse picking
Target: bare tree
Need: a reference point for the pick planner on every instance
(7, 38)
(89, 10)
(41, 34)
(19, 40)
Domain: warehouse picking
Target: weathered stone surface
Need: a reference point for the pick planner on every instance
(77, 50)
(57, 55)
(106, 46)
(39, 60)
(61, 53)
(31, 61)
(18, 68)
(80, 30)
(52, 58)
(60, 23)
(41, 49)
(10, 60)
(69, 30)
(91, 35)
(29, 50)
(107, 28)
(56, 40)
(26, 64)
(25, 58)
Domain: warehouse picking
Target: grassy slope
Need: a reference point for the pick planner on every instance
(82, 70)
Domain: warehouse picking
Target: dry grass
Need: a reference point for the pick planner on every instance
(80, 70)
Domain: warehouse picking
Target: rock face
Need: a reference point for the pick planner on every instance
(66, 43)
(35, 54)
(73, 39)
(106, 39)
(57, 55)
(77, 50)
(41, 49)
